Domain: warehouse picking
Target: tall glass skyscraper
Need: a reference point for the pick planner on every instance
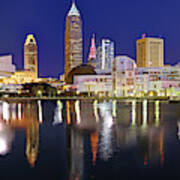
(105, 54)
(30, 55)
(73, 40)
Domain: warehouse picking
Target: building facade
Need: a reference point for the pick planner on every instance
(123, 76)
(105, 55)
(31, 55)
(150, 52)
(94, 84)
(159, 81)
(73, 40)
(6, 66)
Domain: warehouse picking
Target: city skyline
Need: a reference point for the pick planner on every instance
(47, 22)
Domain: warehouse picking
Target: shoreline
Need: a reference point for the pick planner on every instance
(126, 99)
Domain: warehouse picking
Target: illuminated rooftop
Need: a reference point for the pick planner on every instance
(73, 11)
(30, 39)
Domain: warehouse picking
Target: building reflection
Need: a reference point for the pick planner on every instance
(58, 118)
(20, 116)
(141, 128)
(32, 132)
(6, 138)
(105, 146)
(94, 146)
(75, 152)
(82, 119)
(108, 125)
(82, 114)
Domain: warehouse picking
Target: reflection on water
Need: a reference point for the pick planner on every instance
(6, 138)
(58, 113)
(106, 130)
(122, 134)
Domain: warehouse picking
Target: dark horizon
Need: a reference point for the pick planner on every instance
(121, 21)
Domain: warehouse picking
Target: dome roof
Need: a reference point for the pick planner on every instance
(80, 70)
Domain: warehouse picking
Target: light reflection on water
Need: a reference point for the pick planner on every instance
(105, 145)
(92, 134)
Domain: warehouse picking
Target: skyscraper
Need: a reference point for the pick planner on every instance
(73, 40)
(150, 52)
(92, 53)
(105, 55)
(30, 55)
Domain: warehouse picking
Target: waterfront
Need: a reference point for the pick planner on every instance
(89, 139)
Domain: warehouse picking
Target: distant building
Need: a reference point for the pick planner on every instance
(150, 52)
(73, 40)
(61, 77)
(158, 81)
(94, 84)
(31, 55)
(105, 55)
(92, 53)
(21, 77)
(6, 66)
(123, 76)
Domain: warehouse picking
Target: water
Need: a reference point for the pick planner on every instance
(71, 140)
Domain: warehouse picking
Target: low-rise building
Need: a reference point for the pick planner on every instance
(20, 77)
(159, 81)
(94, 84)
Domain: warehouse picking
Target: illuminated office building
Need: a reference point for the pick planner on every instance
(73, 40)
(150, 52)
(30, 55)
(105, 55)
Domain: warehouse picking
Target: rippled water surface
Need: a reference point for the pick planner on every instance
(71, 140)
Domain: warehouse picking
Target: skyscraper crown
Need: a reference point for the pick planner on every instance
(92, 53)
(30, 39)
(73, 11)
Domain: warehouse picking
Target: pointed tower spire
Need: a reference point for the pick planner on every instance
(92, 53)
(73, 11)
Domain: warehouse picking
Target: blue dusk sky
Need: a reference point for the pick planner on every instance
(123, 21)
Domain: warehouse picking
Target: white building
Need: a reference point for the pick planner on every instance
(6, 66)
(96, 84)
(105, 55)
(123, 76)
(159, 81)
